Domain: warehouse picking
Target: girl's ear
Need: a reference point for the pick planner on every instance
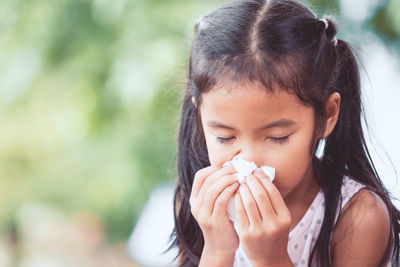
(332, 107)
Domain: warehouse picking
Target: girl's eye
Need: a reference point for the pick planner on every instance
(222, 140)
(280, 140)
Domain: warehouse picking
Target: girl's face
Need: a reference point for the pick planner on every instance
(243, 121)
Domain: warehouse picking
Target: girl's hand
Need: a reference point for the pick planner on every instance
(211, 191)
(263, 221)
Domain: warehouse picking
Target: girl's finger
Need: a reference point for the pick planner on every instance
(249, 204)
(221, 202)
(211, 179)
(261, 197)
(215, 190)
(200, 177)
(278, 204)
(241, 215)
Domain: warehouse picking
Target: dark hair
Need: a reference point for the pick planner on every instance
(284, 46)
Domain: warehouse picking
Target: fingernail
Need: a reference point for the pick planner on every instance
(228, 166)
(258, 171)
(241, 188)
(227, 163)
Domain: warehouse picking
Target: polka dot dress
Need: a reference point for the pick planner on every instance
(302, 238)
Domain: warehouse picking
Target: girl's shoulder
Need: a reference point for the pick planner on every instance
(358, 197)
(362, 230)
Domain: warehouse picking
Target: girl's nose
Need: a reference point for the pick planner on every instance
(249, 155)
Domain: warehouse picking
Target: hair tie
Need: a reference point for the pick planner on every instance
(199, 20)
(334, 40)
(326, 23)
(194, 102)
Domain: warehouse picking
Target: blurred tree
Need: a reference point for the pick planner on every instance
(322, 7)
(386, 21)
(92, 125)
(89, 100)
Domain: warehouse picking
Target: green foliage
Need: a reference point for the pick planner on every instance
(322, 7)
(386, 21)
(89, 103)
(90, 99)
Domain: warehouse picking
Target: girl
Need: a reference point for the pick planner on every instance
(269, 82)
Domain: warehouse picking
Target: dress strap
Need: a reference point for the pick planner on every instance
(349, 188)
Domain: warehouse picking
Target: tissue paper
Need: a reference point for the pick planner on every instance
(245, 168)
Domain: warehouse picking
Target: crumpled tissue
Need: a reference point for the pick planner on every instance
(245, 168)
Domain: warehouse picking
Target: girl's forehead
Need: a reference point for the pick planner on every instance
(250, 93)
(251, 103)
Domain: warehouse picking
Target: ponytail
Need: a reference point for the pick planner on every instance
(346, 153)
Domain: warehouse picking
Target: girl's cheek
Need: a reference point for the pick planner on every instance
(217, 156)
(217, 159)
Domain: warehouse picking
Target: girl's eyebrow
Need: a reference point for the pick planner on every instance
(279, 123)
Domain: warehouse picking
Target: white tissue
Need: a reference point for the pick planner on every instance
(245, 168)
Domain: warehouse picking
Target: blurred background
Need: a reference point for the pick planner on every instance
(90, 95)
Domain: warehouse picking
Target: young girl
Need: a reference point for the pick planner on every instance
(269, 83)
